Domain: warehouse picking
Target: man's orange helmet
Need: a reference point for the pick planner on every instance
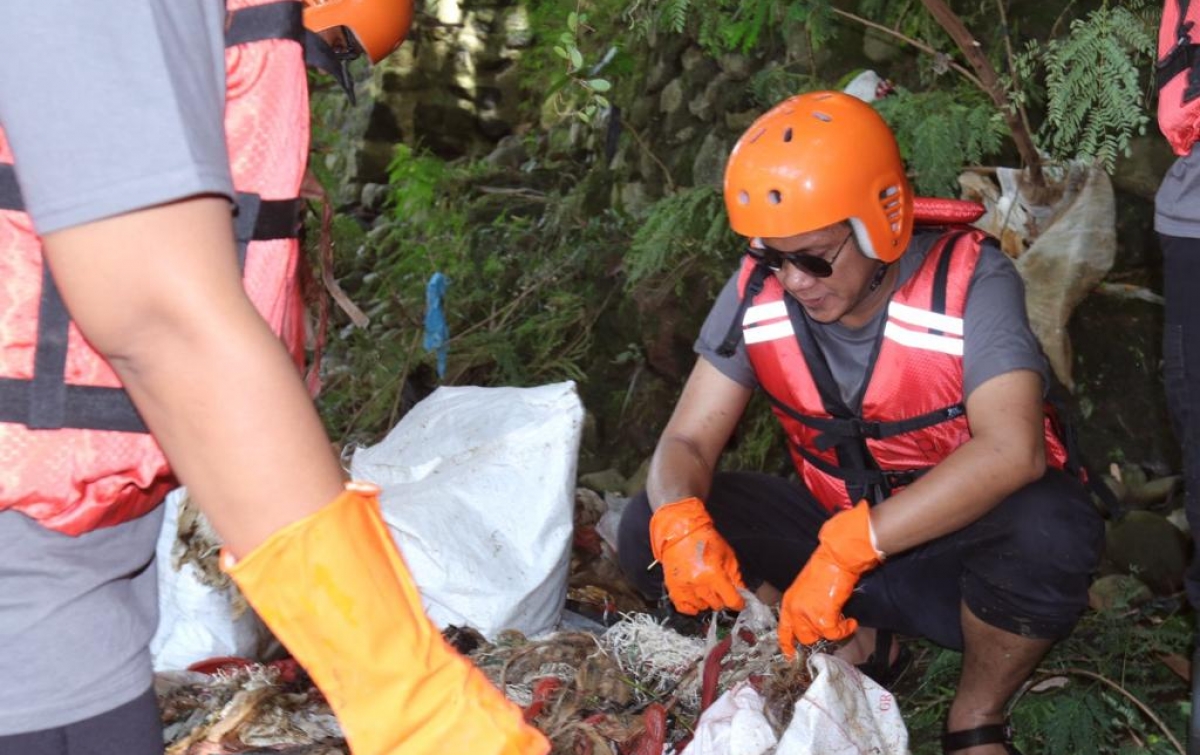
(817, 159)
(379, 26)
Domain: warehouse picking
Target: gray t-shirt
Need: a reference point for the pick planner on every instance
(1177, 203)
(109, 107)
(113, 106)
(76, 618)
(996, 333)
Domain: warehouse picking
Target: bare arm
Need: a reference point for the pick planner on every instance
(690, 445)
(1006, 452)
(158, 293)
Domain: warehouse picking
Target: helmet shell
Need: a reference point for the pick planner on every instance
(817, 159)
(378, 25)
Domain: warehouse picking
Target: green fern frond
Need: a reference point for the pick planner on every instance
(688, 224)
(940, 133)
(1094, 85)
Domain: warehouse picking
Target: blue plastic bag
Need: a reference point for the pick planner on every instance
(437, 333)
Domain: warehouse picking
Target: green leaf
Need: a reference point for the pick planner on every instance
(573, 21)
(562, 53)
(599, 85)
(576, 58)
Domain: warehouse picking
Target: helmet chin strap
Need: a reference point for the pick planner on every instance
(877, 279)
(872, 287)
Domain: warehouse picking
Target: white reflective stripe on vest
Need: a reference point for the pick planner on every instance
(925, 319)
(760, 313)
(918, 340)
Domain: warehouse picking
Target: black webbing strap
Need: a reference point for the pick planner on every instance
(320, 55)
(258, 219)
(285, 20)
(754, 287)
(852, 453)
(833, 430)
(1181, 57)
(281, 20)
(863, 478)
(47, 389)
(47, 402)
(941, 276)
(10, 190)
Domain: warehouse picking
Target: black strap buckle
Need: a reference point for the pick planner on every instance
(900, 478)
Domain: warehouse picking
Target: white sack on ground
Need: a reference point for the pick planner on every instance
(201, 615)
(843, 712)
(478, 492)
(1062, 247)
(734, 724)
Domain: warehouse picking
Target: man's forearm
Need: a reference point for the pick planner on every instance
(967, 484)
(677, 471)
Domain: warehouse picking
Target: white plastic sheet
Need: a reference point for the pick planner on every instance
(478, 492)
(734, 724)
(843, 712)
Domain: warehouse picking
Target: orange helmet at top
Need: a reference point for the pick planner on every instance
(378, 25)
(817, 159)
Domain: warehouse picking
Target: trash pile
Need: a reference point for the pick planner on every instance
(565, 636)
(637, 688)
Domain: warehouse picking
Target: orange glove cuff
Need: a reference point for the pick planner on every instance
(334, 589)
(847, 539)
(674, 521)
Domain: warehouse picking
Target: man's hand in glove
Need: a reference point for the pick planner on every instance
(812, 606)
(699, 567)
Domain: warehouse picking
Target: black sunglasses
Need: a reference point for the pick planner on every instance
(817, 267)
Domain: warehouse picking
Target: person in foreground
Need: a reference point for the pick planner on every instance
(1177, 223)
(119, 149)
(932, 499)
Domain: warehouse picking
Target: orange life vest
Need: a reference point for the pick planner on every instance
(1177, 75)
(75, 453)
(911, 413)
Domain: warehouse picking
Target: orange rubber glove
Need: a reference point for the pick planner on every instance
(812, 606)
(334, 589)
(699, 568)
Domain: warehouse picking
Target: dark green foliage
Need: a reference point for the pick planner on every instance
(940, 133)
(521, 304)
(680, 229)
(1082, 698)
(1094, 83)
(776, 83)
(730, 25)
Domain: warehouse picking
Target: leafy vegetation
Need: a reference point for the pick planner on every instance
(941, 131)
(520, 305)
(1107, 689)
(1095, 82)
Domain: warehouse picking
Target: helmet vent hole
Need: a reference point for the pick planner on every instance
(787, 135)
(826, 117)
(774, 197)
(743, 198)
(892, 206)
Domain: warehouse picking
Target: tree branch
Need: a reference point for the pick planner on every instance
(966, 74)
(990, 80)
